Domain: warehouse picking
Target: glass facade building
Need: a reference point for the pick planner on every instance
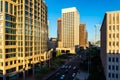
(23, 35)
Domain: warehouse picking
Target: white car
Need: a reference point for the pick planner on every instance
(62, 77)
(69, 67)
(74, 67)
(73, 75)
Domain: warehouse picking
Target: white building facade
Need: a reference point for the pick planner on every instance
(110, 45)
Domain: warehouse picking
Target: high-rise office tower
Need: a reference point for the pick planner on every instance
(83, 35)
(59, 29)
(23, 35)
(110, 45)
(59, 32)
(70, 28)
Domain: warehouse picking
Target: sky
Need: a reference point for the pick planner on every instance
(91, 12)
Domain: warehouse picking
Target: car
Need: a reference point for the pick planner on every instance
(69, 67)
(62, 77)
(73, 75)
(66, 71)
(63, 66)
(66, 67)
(57, 74)
(74, 68)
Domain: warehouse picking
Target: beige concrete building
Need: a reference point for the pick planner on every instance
(110, 45)
(59, 29)
(23, 36)
(59, 32)
(70, 29)
(83, 35)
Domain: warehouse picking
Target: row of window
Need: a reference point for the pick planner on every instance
(10, 37)
(114, 27)
(114, 44)
(10, 24)
(11, 63)
(112, 75)
(28, 8)
(114, 35)
(113, 18)
(10, 17)
(10, 55)
(9, 8)
(10, 50)
(113, 67)
(113, 59)
(10, 43)
(11, 70)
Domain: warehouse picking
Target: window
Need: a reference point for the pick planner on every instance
(109, 35)
(116, 67)
(11, 9)
(117, 35)
(114, 35)
(109, 67)
(113, 67)
(109, 43)
(6, 63)
(116, 59)
(26, 8)
(117, 43)
(11, 70)
(26, 1)
(116, 75)
(109, 27)
(8, 17)
(14, 61)
(113, 27)
(113, 43)
(113, 18)
(18, 61)
(113, 75)
(8, 24)
(20, 67)
(113, 59)
(117, 18)
(117, 27)
(109, 75)
(10, 62)
(109, 18)
(6, 6)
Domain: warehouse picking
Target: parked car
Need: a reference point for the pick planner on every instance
(62, 77)
(73, 75)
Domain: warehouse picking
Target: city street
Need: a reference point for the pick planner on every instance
(68, 71)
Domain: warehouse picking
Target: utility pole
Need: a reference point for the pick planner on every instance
(95, 34)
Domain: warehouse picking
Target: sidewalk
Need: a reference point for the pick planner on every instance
(82, 75)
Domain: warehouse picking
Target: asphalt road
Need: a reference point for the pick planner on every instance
(68, 71)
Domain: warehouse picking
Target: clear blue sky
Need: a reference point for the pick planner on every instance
(91, 12)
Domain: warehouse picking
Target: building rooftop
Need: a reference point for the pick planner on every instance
(71, 9)
(113, 11)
